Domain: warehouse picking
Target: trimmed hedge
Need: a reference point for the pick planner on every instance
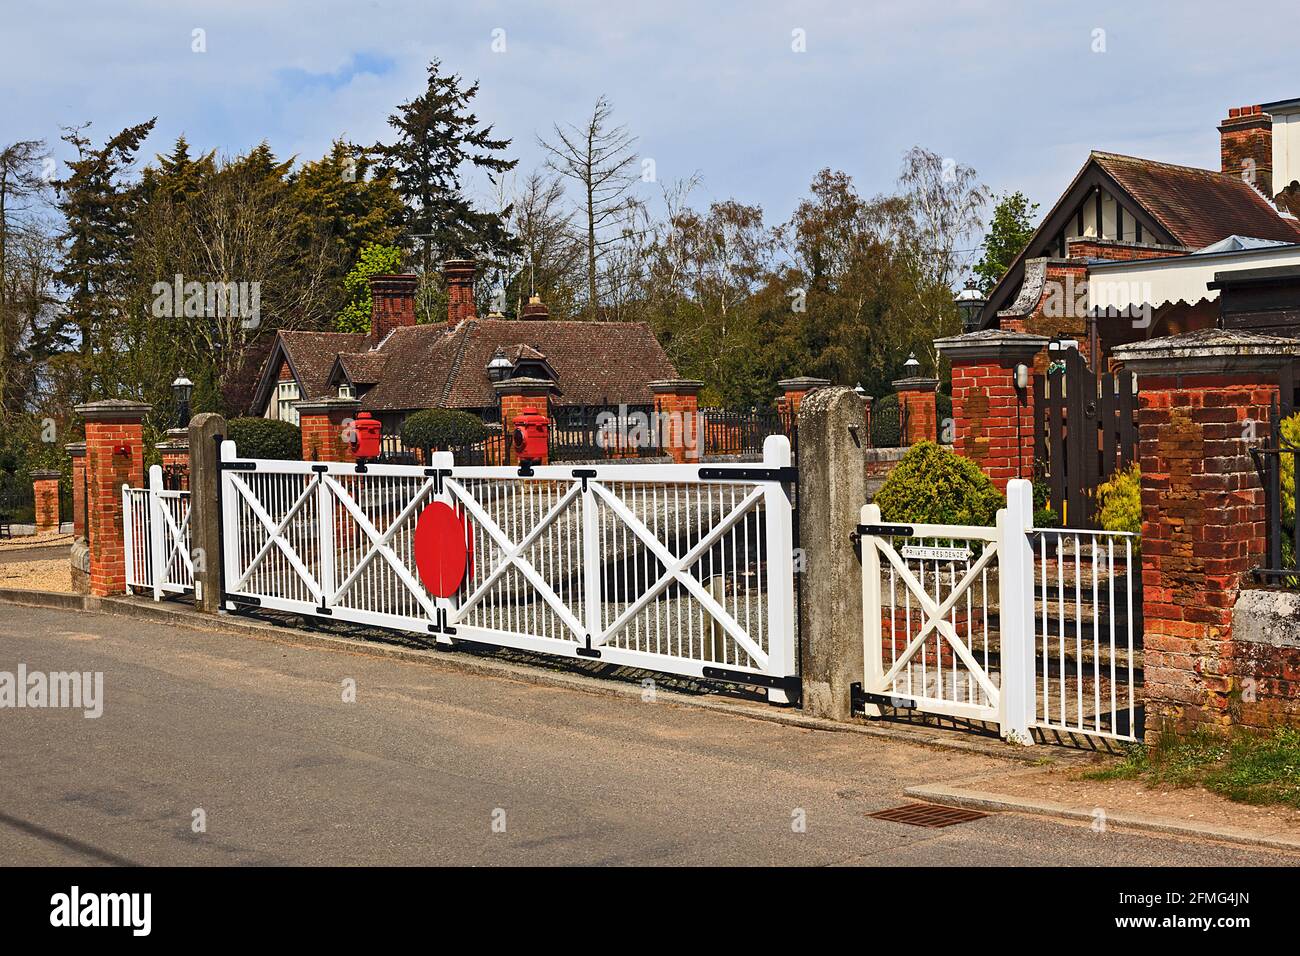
(265, 438)
(932, 485)
(442, 428)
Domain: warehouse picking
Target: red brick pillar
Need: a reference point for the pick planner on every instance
(77, 452)
(324, 424)
(518, 395)
(176, 458)
(916, 405)
(114, 457)
(677, 418)
(794, 390)
(1203, 403)
(993, 421)
(45, 492)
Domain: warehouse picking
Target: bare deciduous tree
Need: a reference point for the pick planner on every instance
(599, 158)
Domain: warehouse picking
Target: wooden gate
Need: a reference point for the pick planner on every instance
(1080, 457)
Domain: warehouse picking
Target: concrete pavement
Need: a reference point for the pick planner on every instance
(430, 765)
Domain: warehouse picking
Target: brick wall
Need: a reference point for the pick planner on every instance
(114, 457)
(677, 404)
(45, 491)
(392, 304)
(916, 402)
(993, 421)
(77, 450)
(1246, 146)
(323, 425)
(459, 275)
(1203, 515)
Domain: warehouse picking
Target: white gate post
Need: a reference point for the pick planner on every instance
(1016, 612)
(873, 652)
(591, 564)
(157, 552)
(230, 530)
(446, 461)
(325, 538)
(128, 535)
(780, 569)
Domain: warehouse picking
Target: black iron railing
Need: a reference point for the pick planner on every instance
(1275, 463)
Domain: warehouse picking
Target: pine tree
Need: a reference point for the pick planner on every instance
(98, 205)
(437, 137)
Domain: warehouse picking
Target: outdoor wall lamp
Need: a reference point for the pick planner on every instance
(182, 388)
(1022, 376)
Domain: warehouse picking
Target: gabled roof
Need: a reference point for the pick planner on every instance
(1179, 206)
(360, 368)
(1198, 206)
(311, 359)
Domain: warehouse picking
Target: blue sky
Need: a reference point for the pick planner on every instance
(1014, 89)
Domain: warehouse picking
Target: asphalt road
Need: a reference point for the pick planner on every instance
(428, 763)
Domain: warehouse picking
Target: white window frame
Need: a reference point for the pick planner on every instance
(286, 393)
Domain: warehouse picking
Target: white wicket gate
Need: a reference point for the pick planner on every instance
(971, 623)
(156, 534)
(679, 568)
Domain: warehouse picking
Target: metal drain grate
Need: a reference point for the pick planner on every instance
(927, 815)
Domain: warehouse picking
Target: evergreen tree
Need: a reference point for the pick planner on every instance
(342, 199)
(437, 137)
(1010, 230)
(98, 204)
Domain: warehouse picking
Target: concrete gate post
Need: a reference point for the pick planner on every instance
(206, 432)
(832, 490)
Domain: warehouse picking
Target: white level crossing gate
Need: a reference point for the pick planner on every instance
(1031, 630)
(156, 536)
(685, 569)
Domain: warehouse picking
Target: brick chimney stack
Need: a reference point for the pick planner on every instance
(392, 304)
(1246, 138)
(460, 290)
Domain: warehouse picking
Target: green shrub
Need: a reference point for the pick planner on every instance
(265, 438)
(1119, 500)
(885, 431)
(374, 260)
(932, 485)
(442, 428)
(1044, 516)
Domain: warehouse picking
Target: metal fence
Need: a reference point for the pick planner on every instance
(678, 568)
(1275, 463)
(741, 432)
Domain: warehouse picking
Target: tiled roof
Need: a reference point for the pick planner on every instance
(311, 356)
(426, 366)
(1198, 206)
(364, 368)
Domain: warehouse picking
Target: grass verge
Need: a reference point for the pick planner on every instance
(1249, 768)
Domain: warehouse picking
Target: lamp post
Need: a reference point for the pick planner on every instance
(181, 391)
(970, 303)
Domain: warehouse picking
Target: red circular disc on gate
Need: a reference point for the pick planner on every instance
(440, 553)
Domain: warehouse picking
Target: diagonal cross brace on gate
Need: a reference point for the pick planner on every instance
(1007, 697)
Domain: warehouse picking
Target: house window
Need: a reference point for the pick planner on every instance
(286, 394)
(346, 391)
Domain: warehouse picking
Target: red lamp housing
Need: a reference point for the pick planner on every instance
(531, 437)
(366, 431)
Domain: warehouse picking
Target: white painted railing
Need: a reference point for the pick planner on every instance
(1086, 633)
(156, 534)
(680, 568)
(984, 624)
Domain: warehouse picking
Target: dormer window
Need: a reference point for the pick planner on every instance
(347, 391)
